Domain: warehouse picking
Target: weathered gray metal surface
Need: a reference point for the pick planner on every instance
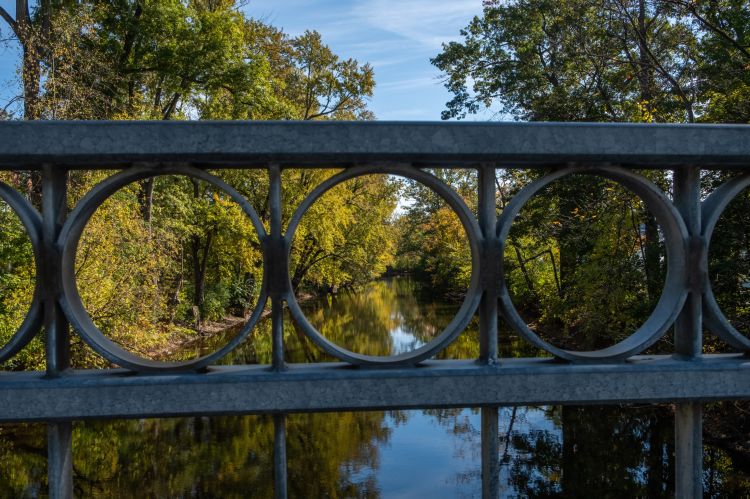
(490, 453)
(280, 475)
(686, 255)
(688, 336)
(99, 144)
(60, 460)
(395, 144)
(688, 434)
(328, 387)
(32, 222)
(490, 265)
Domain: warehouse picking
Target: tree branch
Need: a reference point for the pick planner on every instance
(658, 66)
(723, 34)
(8, 19)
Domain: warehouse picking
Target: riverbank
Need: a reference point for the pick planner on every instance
(210, 329)
(205, 332)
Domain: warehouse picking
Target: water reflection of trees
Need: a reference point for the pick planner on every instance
(576, 451)
(23, 461)
(203, 457)
(544, 452)
(364, 320)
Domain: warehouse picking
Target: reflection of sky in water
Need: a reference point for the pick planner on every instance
(385, 317)
(527, 421)
(426, 457)
(402, 338)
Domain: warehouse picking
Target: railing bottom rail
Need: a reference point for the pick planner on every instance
(337, 387)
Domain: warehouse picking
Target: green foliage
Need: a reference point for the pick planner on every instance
(603, 60)
(346, 237)
(724, 47)
(17, 277)
(596, 60)
(163, 257)
(432, 241)
(729, 258)
(561, 245)
(180, 60)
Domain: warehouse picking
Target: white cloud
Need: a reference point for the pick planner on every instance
(408, 84)
(398, 37)
(407, 114)
(429, 23)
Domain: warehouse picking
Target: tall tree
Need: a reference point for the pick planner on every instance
(579, 60)
(574, 60)
(31, 29)
(163, 253)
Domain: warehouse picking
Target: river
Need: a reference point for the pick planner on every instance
(546, 451)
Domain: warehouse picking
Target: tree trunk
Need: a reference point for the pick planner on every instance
(31, 84)
(146, 199)
(199, 278)
(645, 68)
(652, 265)
(199, 253)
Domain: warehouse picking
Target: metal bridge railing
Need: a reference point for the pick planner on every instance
(612, 375)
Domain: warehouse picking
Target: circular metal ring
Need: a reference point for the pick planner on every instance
(712, 209)
(32, 222)
(71, 299)
(465, 312)
(673, 294)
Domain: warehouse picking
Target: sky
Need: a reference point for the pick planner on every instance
(397, 37)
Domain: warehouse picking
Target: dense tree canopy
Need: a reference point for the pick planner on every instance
(167, 254)
(603, 60)
(599, 60)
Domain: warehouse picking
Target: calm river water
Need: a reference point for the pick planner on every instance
(545, 451)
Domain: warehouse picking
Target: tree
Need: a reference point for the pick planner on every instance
(724, 74)
(31, 31)
(578, 60)
(168, 252)
(574, 60)
(324, 86)
(345, 237)
(432, 241)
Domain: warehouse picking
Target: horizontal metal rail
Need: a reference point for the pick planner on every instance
(289, 143)
(336, 387)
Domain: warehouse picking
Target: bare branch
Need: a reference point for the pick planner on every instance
(8, 19)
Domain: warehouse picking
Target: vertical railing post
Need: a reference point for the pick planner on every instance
(54, 210)
(490, 453)
(688, 339)
(487, 215)
(277, 271)
(60, 460)
(59, 434)
(279, 456)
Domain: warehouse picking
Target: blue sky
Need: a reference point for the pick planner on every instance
(397, 37)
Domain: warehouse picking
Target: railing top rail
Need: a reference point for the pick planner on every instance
(253, 143)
